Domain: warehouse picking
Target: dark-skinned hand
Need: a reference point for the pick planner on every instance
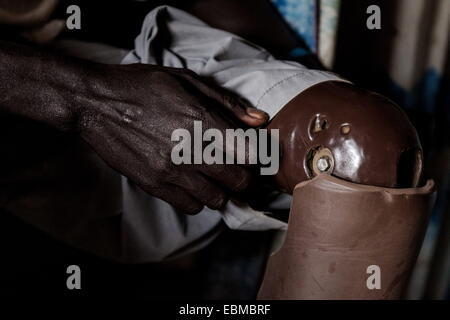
(131, 123)
(127, 114)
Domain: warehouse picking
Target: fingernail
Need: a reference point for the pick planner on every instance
(255, 113)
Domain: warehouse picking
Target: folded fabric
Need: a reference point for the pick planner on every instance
(174, 38)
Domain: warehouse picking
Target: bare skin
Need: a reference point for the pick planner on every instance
(127, 114)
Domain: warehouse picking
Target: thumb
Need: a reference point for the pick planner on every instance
(239, 107)
(243, 110)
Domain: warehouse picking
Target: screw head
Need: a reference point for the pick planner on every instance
(323, 164)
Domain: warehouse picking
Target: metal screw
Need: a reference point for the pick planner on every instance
(323, 164)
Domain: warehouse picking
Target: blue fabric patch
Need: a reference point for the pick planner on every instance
(299, 52)
(301, 17)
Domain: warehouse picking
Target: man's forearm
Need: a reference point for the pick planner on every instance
(44, 86)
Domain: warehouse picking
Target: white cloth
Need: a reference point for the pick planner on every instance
(174, 38)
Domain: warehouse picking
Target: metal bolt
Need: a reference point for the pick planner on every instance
(323, 164)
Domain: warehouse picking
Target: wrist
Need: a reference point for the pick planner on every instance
(46, 87)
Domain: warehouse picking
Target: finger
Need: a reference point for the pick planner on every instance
(204, 190)
(239, 107)
(232, 177)
(237, 146)
(178, 198)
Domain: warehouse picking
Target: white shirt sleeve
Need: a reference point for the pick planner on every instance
(174, 38)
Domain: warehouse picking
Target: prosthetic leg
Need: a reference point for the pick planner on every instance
(353, 162)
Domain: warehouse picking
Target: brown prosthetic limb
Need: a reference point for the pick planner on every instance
(363, 206)
(337, 230)
(362, 136)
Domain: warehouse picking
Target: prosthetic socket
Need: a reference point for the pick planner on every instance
(353, 162)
